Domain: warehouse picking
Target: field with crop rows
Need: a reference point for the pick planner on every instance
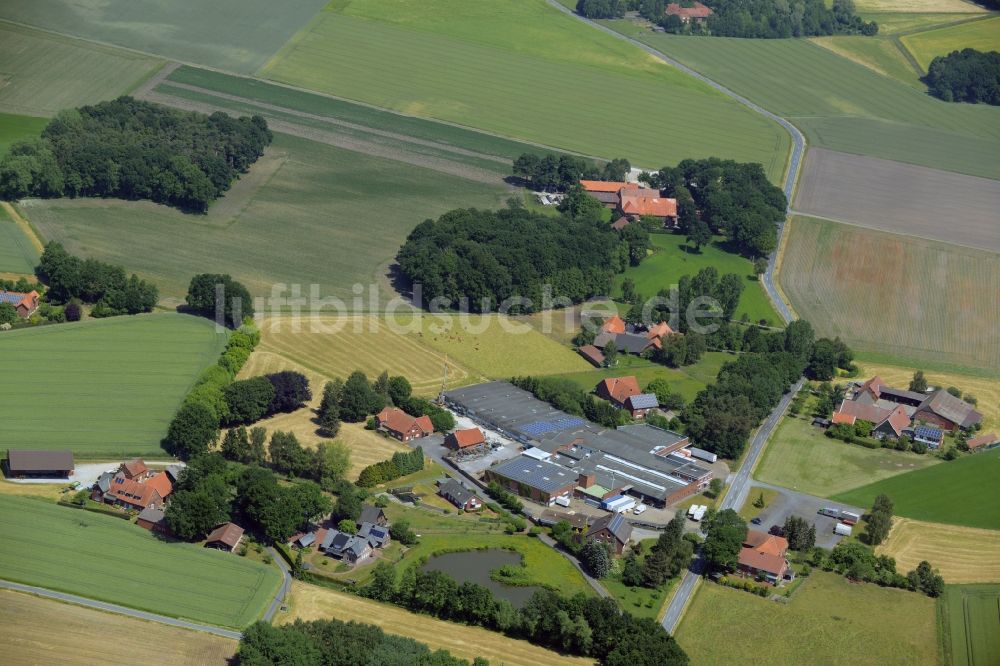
(17, 253)
(960, 492)
(981, 35)
(842, 105)
(101, 388)
(879, 54)
(971, 624)
(31, 626)
(107, 558)
(318, 215)
(44, 73)
(939, 306)
(962, 554)
(522, 69)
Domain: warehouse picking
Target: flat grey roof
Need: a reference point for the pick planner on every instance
(538, 474)
(30, 460)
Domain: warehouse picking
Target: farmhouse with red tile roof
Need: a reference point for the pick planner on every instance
(763, 556)
(24, 303)
(617, 390)
(697, 12)
(465, 439)
(402, 426)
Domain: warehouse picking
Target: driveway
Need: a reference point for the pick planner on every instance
(86, 475)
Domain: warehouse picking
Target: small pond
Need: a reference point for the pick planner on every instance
(475, 566)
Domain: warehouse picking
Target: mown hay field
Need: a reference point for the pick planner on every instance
(107, 558)
(962, 554)
(981, 35)
(919, 300)
(236, 35)
(305, 214)
(960, 492)
(842, 105)
(45, 73)
(799, 456)
(309, 602)
(522, 69)
(827, 621)
(970, 617)
(37, 630)
(101, 388)
(17, 253)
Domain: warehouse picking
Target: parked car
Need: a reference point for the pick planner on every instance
(639, 508)
(756, 521)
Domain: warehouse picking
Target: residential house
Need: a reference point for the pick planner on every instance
(763, 556)
(347, 547)
(617, 390)
(632, 201)
(135, 470)
(465, 440)
(611, 529)
(24, 304)
(876, 401)
(128, 493)
(892, 426)
(604, 191)
(154, 520)
(613, 325)
(459, 495)
(696, 12)
(631, 339)
(30, 463)
(402, 426)
(372, 514)
(593, 355)
(983, 442)
(640, 405)
(377, 536)
(225, 537)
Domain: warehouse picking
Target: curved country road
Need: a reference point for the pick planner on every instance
(121, 610)
(286, 583)
(798, 140)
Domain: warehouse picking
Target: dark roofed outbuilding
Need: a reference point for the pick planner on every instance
(39, 464)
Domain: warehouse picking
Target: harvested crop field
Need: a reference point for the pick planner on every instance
(103, 388)
(33, 629)
(970, 617)
(962, 554)
(44, 73)
(309, 602)
(889, 294)
(107, 558)
(981, 35)
(901, 198)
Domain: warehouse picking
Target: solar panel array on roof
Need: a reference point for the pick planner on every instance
(927, 433)
(9, 297)
(538, 428)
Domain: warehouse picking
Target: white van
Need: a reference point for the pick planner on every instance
(639, 508)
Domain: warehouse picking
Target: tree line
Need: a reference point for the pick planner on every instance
(336, 643)
(559, 173)
(580, 625)
(565, 395)
(402, 463)
(70, 278)
(132, 149)
(965, 76)
(765, 19)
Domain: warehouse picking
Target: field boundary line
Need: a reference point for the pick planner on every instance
(908, 56)
(33, 236)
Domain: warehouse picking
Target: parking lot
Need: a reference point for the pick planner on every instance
(790, 503)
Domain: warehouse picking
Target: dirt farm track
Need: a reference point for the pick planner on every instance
(901, 198)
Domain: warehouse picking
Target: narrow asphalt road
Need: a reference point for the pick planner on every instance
(286, 584)
(735, 497)
(121, 610)
(798, 140)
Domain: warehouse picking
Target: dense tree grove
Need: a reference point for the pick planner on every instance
(603, 9)
(565, 395)
(724, 536)
(561, 172)
(966, 76)
(91, 281)
(402, 463)
(666, 559)
(132, 149)
(476, 259)
(733, 198)
(800, 534)
(336, 643)
(220, 298)
(581, 625)
(769, 19)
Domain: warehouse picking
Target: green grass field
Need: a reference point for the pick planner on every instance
(42, 73)
(828, 621)
(307, 213)
(842, 105)
(961, 492)
(237, 35)
(522, 69)
(897, 23)
(981, 35)
(970, 616)
(687, 380)
(880, 54)
(834, 275)
(672, 259)
(101, 388)
(18, 128)
(799, 456)
(17, 253)
(106, 558)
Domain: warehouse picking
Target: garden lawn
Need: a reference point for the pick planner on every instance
(18, 128)
(828, 621)
(799, 456)
(672, 259)
(101, 388)
(306, 213)
(45, 73)
(840, 104)
(971, 624)
(687, 380)
(960, 492)
(17, 253)
(981, 35)
(522, 69)
(110, 559)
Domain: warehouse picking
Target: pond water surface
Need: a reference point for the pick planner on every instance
(475, 566)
